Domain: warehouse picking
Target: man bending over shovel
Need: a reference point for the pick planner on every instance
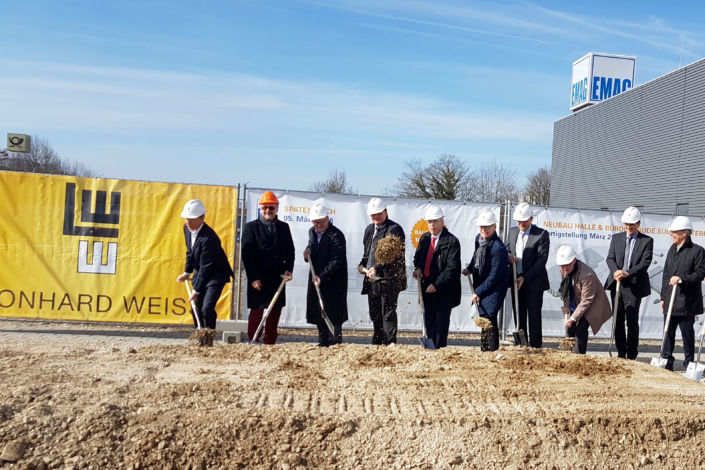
(205, 257)
(585, 303)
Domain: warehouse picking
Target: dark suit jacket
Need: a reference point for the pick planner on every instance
(445, 267)
(490, 281)
(397, 271)
(637, 283)
(207, 258)
(331, 265)
(533, 259)
(266, 256)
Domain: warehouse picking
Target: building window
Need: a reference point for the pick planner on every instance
(682, 209)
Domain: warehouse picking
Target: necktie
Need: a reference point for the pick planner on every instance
(429, 257)
(628, 252)
(373, 245)
(520, 251)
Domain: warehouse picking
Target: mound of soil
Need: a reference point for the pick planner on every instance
(91, 405)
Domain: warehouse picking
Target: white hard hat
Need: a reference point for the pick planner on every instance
(486, 219)
(318, 211)
(433, 213)
(193, 209)
(631, 215)
(375, 206)
(565, 255)
(680, 223)
(522, 212)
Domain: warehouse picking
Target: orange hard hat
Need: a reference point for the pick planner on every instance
(268, 198)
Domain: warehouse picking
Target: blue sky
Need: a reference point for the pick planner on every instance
(278, 93)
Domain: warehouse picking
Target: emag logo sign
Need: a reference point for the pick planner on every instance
(597, 77)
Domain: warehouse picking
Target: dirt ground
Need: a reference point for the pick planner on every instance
(78, 401)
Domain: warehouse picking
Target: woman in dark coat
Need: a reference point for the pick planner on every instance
(267, 255)
(685, 267)
(327, 251)
(489, 270)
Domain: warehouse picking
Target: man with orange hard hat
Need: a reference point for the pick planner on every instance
(267, 255)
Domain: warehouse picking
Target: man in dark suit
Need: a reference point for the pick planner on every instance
(386, 291)
(206, 257)
(528, 248)
(267, 255)
(327, 251)
(437, 263)
(629, 258)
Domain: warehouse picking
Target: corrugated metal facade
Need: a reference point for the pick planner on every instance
(644, 147)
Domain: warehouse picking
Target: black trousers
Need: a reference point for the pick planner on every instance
(669, 341)
(530, 304)
(627, 343)
(437, 318)
(325, 338)
(382, 301)
(491, 336)
(579, 331)
(205, 303)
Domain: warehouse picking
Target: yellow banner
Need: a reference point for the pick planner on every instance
(102, 249)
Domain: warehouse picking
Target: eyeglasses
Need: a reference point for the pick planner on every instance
(268, 208)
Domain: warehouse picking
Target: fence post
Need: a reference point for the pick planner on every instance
(239, 252)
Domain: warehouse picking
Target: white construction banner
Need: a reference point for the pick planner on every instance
(349, 214)
(589, 233)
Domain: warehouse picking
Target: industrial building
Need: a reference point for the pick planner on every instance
(644, 147)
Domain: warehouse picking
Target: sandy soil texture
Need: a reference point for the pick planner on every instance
(97, 403)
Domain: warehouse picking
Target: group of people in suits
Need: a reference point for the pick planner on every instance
(268, 258)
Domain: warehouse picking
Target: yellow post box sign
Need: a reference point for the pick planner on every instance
(102, 249)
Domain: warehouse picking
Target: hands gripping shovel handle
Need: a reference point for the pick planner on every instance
(614, 316)
(661, 361)
(193, 304)
(320, 300)
(285, 279)
(519, 335)
(425, 341)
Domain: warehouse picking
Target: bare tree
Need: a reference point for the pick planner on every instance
(538, 187)
(42, 158)
(495, 182)
(336, 182)
(446, 178)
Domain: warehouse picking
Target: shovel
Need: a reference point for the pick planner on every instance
(661, 362)
(285, 279)
(614, 316)
(695, 369)
(567, 343)
(519, 335)
(425, 341)
(474, 310)
(193, 305)
(320, 300)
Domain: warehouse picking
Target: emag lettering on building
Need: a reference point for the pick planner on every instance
(598, 76)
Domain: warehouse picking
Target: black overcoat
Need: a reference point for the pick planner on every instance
(266, 256)
(445, 267)
(688, 263)
(330, 262)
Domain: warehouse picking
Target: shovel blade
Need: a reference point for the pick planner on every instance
(695, 371)
(520, 338)
(427, 343)
(659, 362)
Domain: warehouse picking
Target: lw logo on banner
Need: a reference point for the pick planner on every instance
(93, 264)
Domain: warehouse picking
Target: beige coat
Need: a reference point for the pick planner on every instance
(590, 297)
